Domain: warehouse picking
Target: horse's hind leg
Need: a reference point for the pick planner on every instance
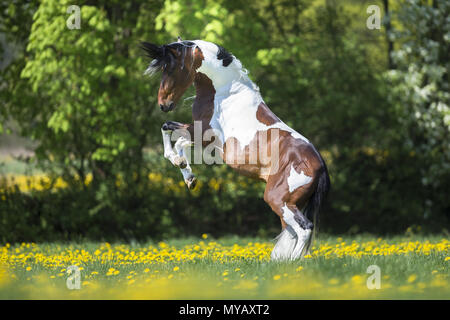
(301, 226)
(295, 238)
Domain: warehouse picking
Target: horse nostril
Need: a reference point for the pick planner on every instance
(171, 105)
(161, 107)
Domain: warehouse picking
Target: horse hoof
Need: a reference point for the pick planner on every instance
(180, 162)
(191, 182)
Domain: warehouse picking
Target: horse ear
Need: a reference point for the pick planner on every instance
(152, 50)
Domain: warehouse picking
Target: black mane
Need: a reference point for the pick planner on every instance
(165, 59)
(224, 55)
(162, 57)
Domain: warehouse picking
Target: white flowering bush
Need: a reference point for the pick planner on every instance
(421, 85)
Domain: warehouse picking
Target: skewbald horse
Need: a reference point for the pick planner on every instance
(228, 102)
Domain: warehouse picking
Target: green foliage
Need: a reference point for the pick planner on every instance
(421, 95)
(92, 110)
(157, 207)
(16, 18)
(82, 96)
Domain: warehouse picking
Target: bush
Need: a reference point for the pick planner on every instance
(158, 207)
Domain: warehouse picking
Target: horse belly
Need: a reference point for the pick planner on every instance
(257, 159)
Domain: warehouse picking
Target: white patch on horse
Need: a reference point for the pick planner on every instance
(236, 100)
(288, 216)
(296, 180)
(282, 126)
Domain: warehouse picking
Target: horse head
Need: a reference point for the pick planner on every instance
(178, 62)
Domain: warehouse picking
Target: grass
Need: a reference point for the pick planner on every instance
(228, 268)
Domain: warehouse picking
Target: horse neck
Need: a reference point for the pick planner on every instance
(203, 86)
(204, 95)
(210, 95)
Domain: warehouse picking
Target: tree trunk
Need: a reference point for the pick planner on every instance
(388, 30)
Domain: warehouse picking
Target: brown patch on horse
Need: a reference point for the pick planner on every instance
(203, 107)
(204, 89)
(256, 159)
(264, 115)
(239, 159)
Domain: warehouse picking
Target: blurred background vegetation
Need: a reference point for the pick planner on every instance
(81, 153)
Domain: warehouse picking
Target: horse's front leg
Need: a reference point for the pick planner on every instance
(179, 157)
(182, 147)
(169, 153)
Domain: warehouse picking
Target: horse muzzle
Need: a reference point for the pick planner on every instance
(167, 107)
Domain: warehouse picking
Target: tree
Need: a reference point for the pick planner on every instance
(95, 108)
(422, 94)
(16, 18)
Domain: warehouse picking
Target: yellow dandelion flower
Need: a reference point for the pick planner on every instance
(333, 281)
(357, 279)
(176, 268)
(276, 277)
(412, 278)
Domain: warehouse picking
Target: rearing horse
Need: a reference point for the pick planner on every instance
(228, 102)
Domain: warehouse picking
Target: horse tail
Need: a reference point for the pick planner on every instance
(318, 197)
